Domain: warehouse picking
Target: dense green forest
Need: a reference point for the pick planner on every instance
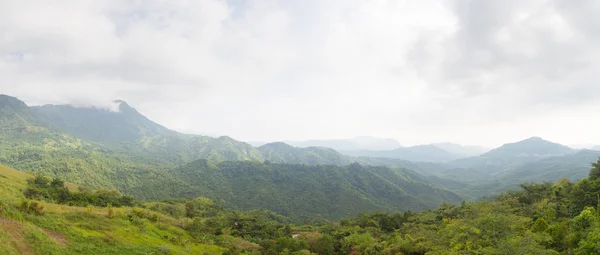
(302, 191)
(538, 218)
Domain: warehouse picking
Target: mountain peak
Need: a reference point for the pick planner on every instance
(534, 138)
(533, 146)
(12, 102)
(277, 145)
(124, 107)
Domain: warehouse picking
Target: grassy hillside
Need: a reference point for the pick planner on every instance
(63, 229)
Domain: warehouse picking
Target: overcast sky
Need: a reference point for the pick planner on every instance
(468, 71)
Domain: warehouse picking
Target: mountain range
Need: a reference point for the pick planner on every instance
(125, 150)
(356, 143)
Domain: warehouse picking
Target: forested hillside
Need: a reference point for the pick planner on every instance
(302, 191)
(544, 218)
(131, 133)
(125, 150)
(284, 153)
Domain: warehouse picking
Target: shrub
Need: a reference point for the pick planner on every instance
(111, 211)
(32, 207)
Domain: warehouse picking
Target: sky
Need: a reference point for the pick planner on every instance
(482, 72)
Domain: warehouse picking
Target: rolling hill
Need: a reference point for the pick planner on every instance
(357, 143)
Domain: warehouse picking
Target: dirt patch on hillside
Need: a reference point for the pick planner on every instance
(60, 239)
(14, 229)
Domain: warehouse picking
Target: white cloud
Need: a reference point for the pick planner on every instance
(477, 72)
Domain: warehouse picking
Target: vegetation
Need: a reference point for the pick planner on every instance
(54, 190)
(306, 192)
(543, 218)
(219, 196)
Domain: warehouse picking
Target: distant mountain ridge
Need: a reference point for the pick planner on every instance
(531, 147)
(357, 143)
(462, 150)
(280, 152)
(424, 153)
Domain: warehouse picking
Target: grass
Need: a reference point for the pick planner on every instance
(67, 229)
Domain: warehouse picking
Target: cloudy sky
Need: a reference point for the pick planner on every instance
(468, 71)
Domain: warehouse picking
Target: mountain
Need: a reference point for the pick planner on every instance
(131, 133)
(101, 125)
(461, 150)
(302, 191)
(596, 148)
(29, 143)
(530, 160)
(357, 143)
(425, 153)
(572, 166)
(283, 153)
(534, 147)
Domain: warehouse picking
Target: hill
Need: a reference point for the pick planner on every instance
(310, 192)
(357, 143)
(531, 160)
(284, 153)
(131, 133)
(41, 227)
(101, 125)
(461, 150)
(424, 153)
(534, 147)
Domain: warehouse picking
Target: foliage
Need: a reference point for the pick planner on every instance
(307, 192)
(54, 190)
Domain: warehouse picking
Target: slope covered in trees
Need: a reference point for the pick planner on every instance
(131, 133)
(543, 218)
(302, 191)
(284, 153)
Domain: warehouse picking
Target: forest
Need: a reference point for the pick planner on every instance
(538, 218)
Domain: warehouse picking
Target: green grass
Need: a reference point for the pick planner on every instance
(78, 230)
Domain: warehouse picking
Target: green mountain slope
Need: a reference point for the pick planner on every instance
(284, 153)
(532, 147)
(304, 191)
(30, 144)
(101, 125)
(133, 134)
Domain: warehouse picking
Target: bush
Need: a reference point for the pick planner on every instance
(32, 207)
(111, 211)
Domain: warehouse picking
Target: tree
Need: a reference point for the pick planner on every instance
(595, 171)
